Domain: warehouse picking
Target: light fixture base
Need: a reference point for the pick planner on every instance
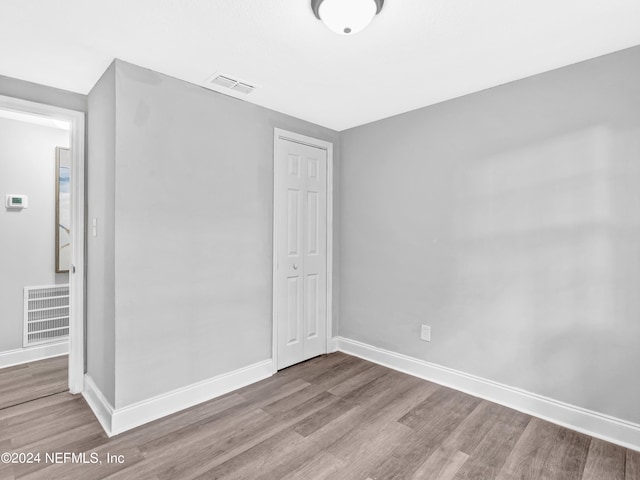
(315, 6)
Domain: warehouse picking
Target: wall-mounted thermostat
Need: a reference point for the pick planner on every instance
(17, 201)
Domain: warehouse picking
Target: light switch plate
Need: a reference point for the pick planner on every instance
(425, 333)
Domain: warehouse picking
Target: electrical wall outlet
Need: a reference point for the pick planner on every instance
(425, 333)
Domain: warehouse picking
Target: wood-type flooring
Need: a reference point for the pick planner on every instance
(334, 417)
(22, 383)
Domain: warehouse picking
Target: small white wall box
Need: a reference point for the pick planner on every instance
(17, 201)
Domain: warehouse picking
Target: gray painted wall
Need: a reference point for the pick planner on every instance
(193, 230)
(12, 87)
(508, 220)
(100, 176)
(27, 256)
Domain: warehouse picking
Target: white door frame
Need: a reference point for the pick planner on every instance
(279, 134)
(76, 274)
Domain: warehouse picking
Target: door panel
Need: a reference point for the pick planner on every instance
(301, 249)
(294, 311)
(312, 223)
(312, 306)
(293, 222)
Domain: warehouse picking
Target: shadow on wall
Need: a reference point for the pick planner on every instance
(546, 264)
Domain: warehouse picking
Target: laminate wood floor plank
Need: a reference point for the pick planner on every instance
(71, 437)
(388, 381)
(367, 428)
(75, 414)
(303, 409)
(280, 405)
(568, 457)
(223, 457)
(50, 427)
(41, 408)
(18, 412)
(371, 373)
(9, 381)
(81, 439)
(445, 461)
(8, 371)
(255, 461)
(26, 382)
(547, 451)
(321, 467)
(75, 471)
(432, 422)
(328, 379)
(604, 460)
(365, 419)
(243, 436)
(533, 449)
(632, 466)
(266, 392)
(443, 464)
(362, 458)
(493, 450)
(323, 417)
(473, 429)
(197, 416)
(334, 417)
(311, 368)
(215, 439)
(6, 469)
(431, 408)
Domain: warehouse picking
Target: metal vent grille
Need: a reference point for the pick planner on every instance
(224, 81)
(46, 314)
(231, 83)
(243, 87)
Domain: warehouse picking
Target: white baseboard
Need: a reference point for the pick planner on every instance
(33, 354)
(592, 423)
(101, 407)
(118, 420)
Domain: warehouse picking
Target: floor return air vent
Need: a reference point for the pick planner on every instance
(46, 314)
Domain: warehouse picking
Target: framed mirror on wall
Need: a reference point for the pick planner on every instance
(63, 210)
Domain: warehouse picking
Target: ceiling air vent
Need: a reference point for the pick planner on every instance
(231, 83)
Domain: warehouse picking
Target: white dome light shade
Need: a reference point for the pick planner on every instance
(347, 17)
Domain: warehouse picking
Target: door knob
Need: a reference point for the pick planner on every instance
(295, 267)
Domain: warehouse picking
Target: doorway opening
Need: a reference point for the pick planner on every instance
(42, 280)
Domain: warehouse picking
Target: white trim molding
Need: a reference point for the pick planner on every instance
(118, 420)
(100, 406)
(33, 354)
(595, 424)
(332, 345)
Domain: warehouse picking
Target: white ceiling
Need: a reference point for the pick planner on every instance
(415, 53)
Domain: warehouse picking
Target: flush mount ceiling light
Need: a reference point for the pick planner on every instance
(346, 17)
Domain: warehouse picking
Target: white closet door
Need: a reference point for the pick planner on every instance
(301, 272)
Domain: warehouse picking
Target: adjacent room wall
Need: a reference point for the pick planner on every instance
(100, 176)
(27, 256)
(13, 87)
(16, 88)
(508, 220)
(192, 230)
